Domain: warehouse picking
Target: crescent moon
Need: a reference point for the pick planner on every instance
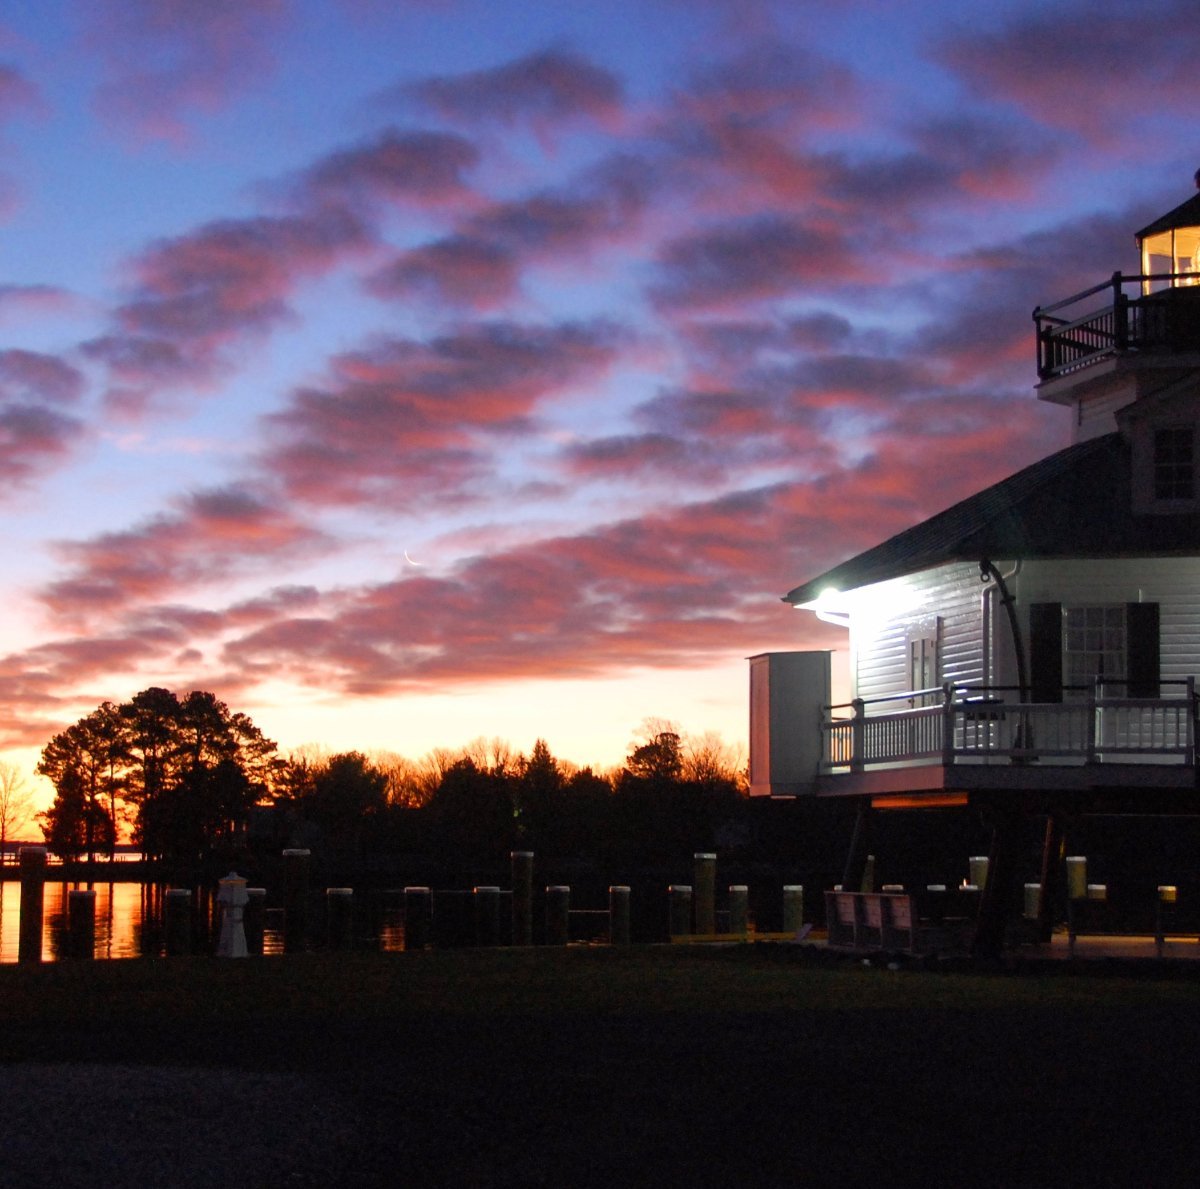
(410, 560)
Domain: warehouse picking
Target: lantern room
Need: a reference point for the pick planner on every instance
(1111, 343)
(1170, 247)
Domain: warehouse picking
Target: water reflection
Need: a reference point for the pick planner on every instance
(129, 921)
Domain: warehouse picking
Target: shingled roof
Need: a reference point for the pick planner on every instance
(1186, 214)
(1076, 503)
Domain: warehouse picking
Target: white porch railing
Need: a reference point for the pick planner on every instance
(990, 724)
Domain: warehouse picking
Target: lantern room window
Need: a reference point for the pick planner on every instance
(1173, 254)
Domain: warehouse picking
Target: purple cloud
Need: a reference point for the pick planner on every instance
(544, 90)
(404, 421)
(167, 60)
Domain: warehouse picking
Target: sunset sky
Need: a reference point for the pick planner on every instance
(405, 371)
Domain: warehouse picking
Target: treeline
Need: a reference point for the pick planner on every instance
(196, 784)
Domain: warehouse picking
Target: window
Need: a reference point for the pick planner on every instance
(1174, 464)
(1094, 644)
(924, 660)
(1076, 644)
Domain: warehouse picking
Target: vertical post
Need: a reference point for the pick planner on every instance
(680, 910)
(255, 919)
(618, 915)
(558, 914)
(1093, 735)
(1053, 845)
(868, 876)
(1076, 877)
(948, 724)
(704, 879)
(339, 918)
(977, 866)
(793, 908)
(739, 910)
(1121, 313)
(81, 923)
(295, 900)
(33, 861)
(1003, 865)
(522, 897)
(1164, 909)
(177, 921)
(858, 735)
(1190, 716)
(1032, 903)
(852, 875)
(418, 917)
(487, 916)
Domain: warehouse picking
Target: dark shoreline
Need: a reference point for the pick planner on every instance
(654, 1067)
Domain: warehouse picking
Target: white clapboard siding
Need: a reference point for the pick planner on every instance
(1171, 582)
(886, 613)
(1096, 416)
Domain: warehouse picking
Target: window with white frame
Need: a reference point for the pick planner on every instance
(1094, 644)
(1174, 463)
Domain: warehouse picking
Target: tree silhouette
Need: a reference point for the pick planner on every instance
(190, 771)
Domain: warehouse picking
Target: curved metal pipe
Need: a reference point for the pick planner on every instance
(988, 571)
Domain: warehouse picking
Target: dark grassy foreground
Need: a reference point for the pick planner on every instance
(654, 1066)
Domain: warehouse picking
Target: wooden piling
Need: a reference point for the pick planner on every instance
(558, 914)
(487, 916)
(339, 918)
(418, 917)
(522, 897)
(793, 908)
(618, 915)
(739, 909)
(680, 910)
(704, 880)
(81, 923)
(295, 900)
(255, 918)
(177, 921)
(32, 860)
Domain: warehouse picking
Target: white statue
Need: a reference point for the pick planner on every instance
(232, 898)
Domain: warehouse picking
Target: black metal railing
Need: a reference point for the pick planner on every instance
(1071, 336)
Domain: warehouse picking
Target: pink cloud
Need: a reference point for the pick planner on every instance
(17, 93)
(1043, 61)
(459, 272)
(34, 376)
(602, 207)
(199, 294)
(545, 90)
(33, 436)
(32, 440)
(404, 420)
(212, 535)
(167, 60)
(422, 169)
(20, 301)
(667, 590)
(652, 457)
(750, 260)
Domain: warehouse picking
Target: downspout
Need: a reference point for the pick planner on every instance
(988, 571)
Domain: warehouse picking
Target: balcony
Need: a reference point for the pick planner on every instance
(965, 737)
(1163, 315)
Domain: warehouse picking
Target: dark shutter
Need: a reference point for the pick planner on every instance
(1045, 652)
(1142, 635)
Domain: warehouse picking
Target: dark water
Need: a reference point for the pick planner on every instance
(129, 921)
